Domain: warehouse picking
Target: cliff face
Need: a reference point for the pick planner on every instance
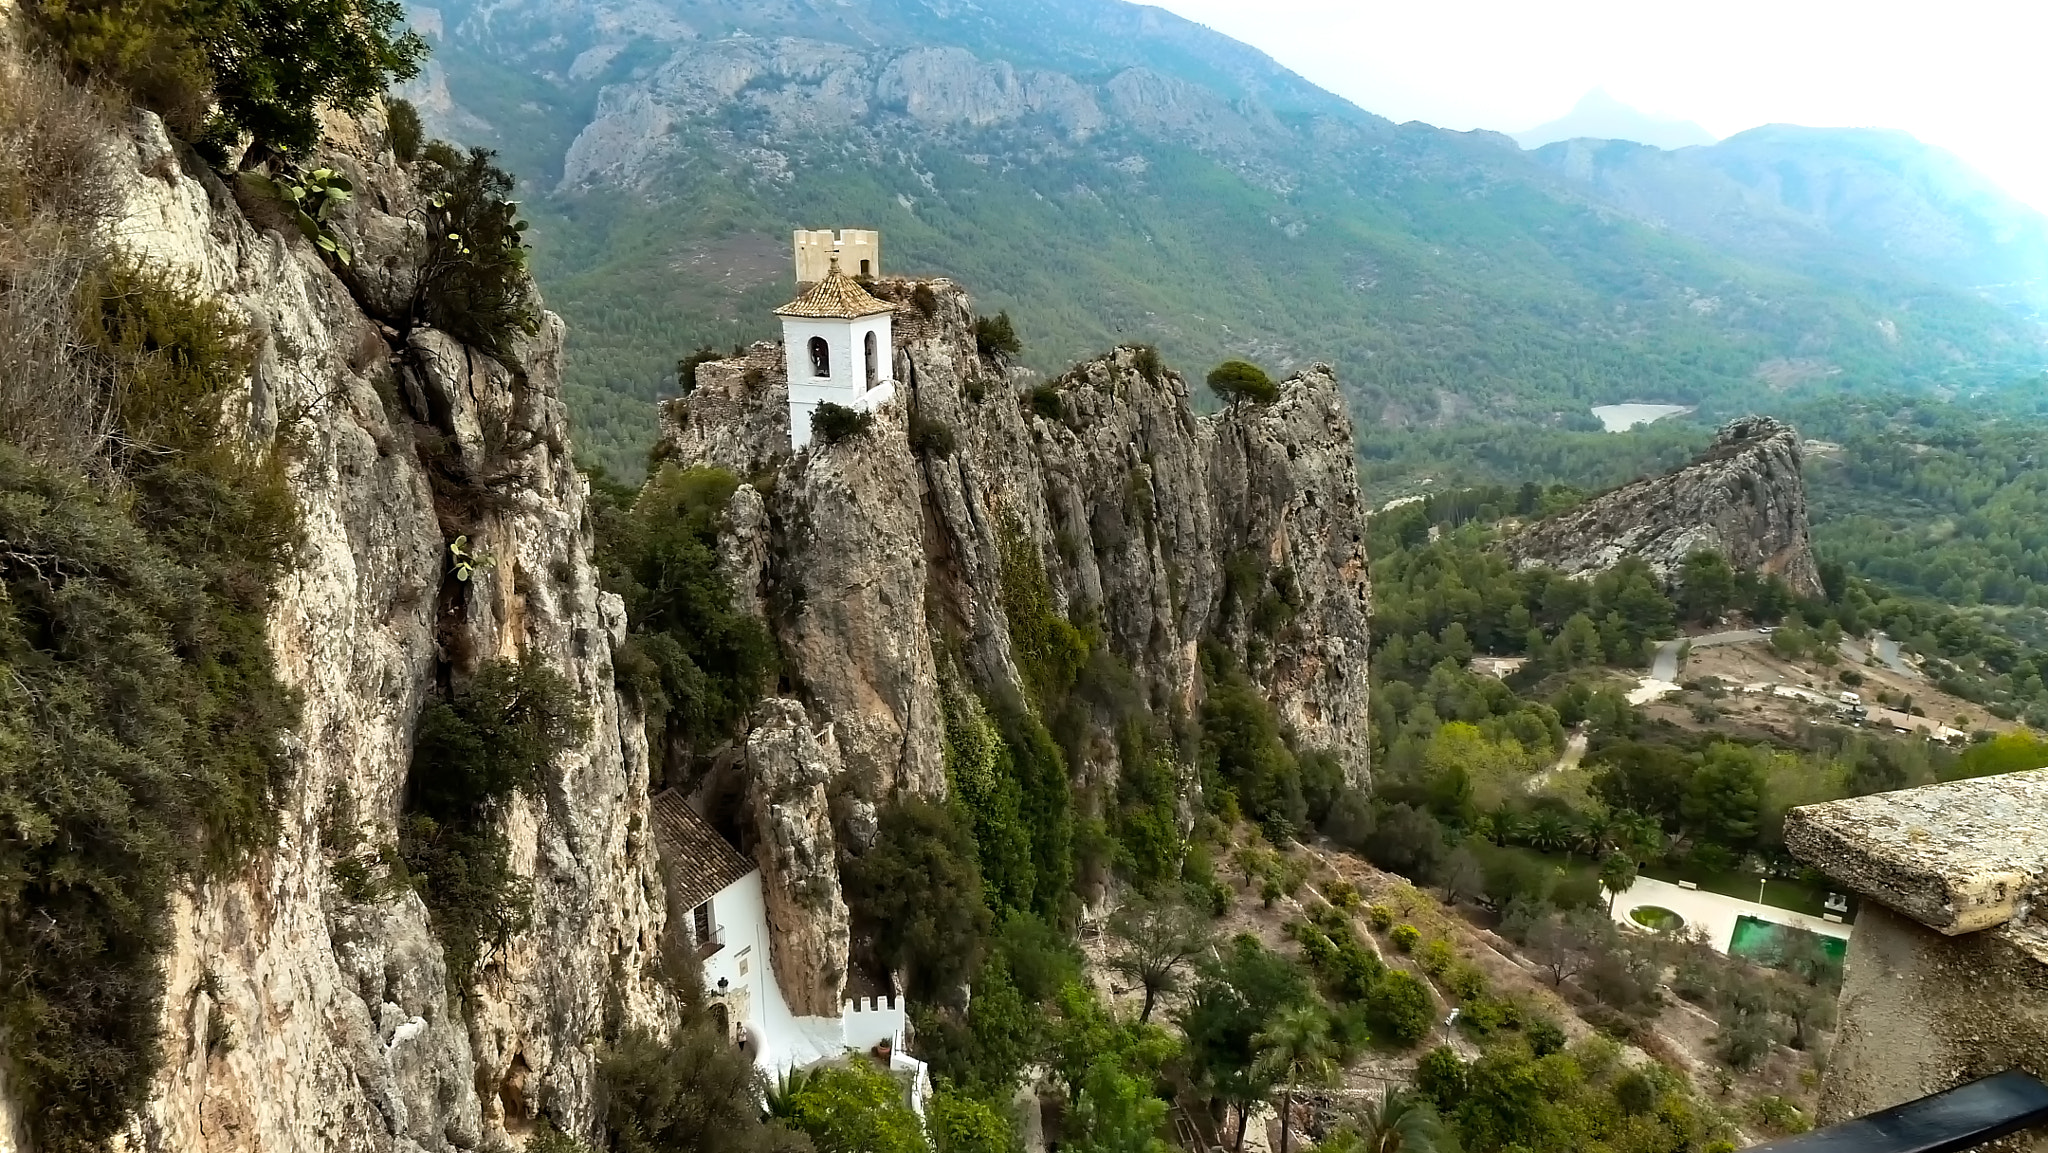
(1744, 497)
(344, 1032)
(882, 568)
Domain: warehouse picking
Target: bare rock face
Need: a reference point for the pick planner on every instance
(346, 1033)
(1294, 465)
(883, 563)
(853, 570)
(788, 768)
(1744, 497)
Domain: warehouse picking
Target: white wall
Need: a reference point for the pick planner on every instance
(871, 1021)
(845, 341)
(781, 1038)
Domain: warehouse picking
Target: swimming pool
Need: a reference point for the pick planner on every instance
(1753, 937)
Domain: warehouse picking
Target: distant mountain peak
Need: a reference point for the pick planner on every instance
(1600, 116)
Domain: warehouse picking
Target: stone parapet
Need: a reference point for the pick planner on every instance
(1957, 857)
(1947, 976)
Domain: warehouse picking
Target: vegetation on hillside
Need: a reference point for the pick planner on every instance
(470, 757)
(140, 536)
(1924, 513)
(694, 661)
(216, 70)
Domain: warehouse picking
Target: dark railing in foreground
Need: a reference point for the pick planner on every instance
(1961, 1118)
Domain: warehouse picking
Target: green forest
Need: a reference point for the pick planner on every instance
(1938, 501)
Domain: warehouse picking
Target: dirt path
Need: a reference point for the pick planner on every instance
(1574, 749)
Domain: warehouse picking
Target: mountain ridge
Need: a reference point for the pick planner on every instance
(1180, 189)
(1599, 115)
(1830, 199)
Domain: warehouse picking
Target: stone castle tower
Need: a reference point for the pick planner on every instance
(859, 251)
(836, 338)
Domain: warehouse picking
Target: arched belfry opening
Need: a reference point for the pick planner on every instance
(874, 368)
(821, 357)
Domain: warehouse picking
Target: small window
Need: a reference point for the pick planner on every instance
(700, 920)
(872, 363)
(821, 357)
(864, 269)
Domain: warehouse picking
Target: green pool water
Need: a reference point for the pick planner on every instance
(1753, 939)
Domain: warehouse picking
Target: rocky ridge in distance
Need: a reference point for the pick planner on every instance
(1744, 497)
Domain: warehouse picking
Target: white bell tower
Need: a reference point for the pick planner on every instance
(837, 343)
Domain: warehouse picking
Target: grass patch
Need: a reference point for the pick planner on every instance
(1778, 893)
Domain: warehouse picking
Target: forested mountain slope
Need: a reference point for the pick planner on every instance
(1120, 174)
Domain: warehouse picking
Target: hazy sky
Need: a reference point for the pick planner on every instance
(1969, 75)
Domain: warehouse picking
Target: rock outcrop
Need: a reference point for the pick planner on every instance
(346, 1032)
(883, 566)
(788, 768)
(1744, 498)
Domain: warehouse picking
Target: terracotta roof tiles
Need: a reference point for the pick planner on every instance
(698, 861)
(838, 296)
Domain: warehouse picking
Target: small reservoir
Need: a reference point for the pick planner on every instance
(1622, 417)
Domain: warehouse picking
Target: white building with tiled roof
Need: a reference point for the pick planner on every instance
(836, 338)
(716, 894)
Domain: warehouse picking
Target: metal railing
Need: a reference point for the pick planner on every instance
(1964, 1117)
(709, 943)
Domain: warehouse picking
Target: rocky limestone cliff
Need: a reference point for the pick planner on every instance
(880, 566)
(345, 1032)
(1744, 497)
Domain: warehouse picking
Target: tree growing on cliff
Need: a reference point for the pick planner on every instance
(1156, 940)
(996, 337)
(1236, 380)
(696, 661)
(917, 897)
(264, 67)
(472, 281)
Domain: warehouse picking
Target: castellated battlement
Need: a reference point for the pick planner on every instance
(859, 251)
(868, 1022)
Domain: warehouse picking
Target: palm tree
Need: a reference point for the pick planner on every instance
(1401, 1123)
(1617, 873)
(1551, 832)
(1508, 827)
(1596, 834)
(1295, 1050)
(1637, 835)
